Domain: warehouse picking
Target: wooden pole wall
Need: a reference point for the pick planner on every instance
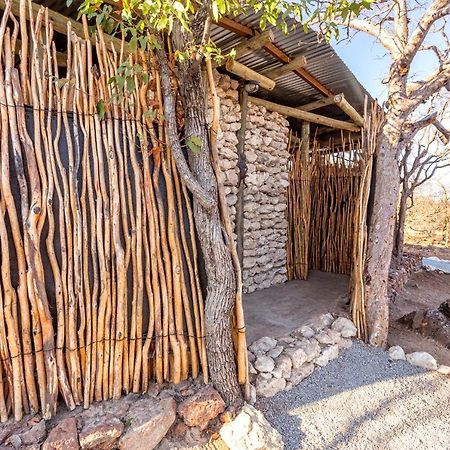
(100, 292)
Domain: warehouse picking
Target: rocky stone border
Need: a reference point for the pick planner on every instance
(279, 364)
(187, 415)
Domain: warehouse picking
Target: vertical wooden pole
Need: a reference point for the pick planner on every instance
(242, 164)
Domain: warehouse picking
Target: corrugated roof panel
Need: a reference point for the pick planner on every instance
(322, 62)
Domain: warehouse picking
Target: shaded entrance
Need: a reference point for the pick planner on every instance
(278, 310)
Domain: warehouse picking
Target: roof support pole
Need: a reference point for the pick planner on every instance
(304, 115)
(242, 165)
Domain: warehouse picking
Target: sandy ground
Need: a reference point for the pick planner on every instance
(363, 401)
(423, 290)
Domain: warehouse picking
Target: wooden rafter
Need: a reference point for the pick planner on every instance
(304, 115)
(246, 31)
(246, 73)
(296, 63)
(254, 43)
(321, 103)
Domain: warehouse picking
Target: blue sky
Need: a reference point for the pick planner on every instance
(369, 61)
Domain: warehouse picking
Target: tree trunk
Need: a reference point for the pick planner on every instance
(381, 234)
(400, 228)
(221, 279)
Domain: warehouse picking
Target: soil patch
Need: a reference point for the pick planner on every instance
(423, 290)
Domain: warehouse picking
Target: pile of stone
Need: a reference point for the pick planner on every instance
(266, 181)
(179, 416)
(419, 359)
(280, 364)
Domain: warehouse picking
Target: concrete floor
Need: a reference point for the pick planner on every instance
(278, 310)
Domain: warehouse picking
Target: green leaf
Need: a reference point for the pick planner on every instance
(195, 144)
(101, 109)
(130, 85)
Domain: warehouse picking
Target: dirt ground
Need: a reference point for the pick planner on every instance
(423, 290)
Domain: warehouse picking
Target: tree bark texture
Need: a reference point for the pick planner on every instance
(400, 226)
(221, 278)
(381, 232)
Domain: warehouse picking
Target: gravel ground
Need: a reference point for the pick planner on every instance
(363, 401)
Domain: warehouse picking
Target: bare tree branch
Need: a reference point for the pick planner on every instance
(437, 10)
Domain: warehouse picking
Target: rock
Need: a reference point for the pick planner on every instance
(284, 363)
(396, 352)
(311, 347)
(36, 433)
(321, 322)
(297, 355)
(251, 431)
(328, 354)
(251, 357)
(263, 345)
(264, 364)
(444, 370)
(422, 359)
(328, 337)
(276, 352)
(345, 327)
(252, 395)
(306, 331)
(301, 373)
(344, 343)
(63, 437)
(200, 408)
(270, 387)
(101, 433)
(149, 422)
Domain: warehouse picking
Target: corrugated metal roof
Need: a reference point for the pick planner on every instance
(322, 62)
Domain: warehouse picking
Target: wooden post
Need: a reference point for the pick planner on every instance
(242, 164)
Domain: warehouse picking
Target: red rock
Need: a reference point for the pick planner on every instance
(63, 437)
(200, 408)
(35, 434)
(101, 433)
(149, 420)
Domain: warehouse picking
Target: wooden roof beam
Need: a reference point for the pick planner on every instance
(296, 63)
(254, 43)
(249, 74)
(334, 99)
(340, 101)
(304, 115)
(246, 31)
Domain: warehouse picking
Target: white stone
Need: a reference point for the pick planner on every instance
(306, 331)
(345, 327)
(276, 352)
(297, 355)
(311, 347)
(422, 359)
(328, 354)
(396, 352)
(284, 363)
(444, 370)
(321, 322)
(328, 337)
(251, 431)
(263, 345)
(264, 363)
(270, 387)
(301, 373)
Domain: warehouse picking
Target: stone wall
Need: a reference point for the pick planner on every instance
(265, 190)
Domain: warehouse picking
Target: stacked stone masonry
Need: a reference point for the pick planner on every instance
(266, 141)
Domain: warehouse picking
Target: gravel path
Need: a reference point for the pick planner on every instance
(363, 401)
